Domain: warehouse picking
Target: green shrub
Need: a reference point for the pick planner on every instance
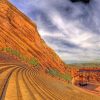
(66, 77)
(7, 49)
(33, 62)
(56, 73)
(53, 72)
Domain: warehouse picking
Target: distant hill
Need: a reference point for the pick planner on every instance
(84, 65)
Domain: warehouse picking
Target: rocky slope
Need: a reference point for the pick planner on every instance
(20, 33)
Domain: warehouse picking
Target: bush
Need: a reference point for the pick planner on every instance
(53, 72)
(32, 61)
(66, 77)
(11, 51)
(56, 73)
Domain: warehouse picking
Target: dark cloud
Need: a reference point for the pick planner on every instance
(83, 1)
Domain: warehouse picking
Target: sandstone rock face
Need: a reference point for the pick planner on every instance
(90, 75)
(20, 33)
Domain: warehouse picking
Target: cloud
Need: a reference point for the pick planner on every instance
(71, 29)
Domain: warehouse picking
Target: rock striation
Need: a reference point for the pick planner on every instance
(17, 31)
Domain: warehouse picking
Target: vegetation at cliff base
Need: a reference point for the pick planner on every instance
(56, 73)
(16, 53)
(34, 62)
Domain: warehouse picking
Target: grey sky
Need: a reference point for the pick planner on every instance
(71, 29)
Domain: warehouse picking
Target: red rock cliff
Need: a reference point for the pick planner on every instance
(20, 33)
